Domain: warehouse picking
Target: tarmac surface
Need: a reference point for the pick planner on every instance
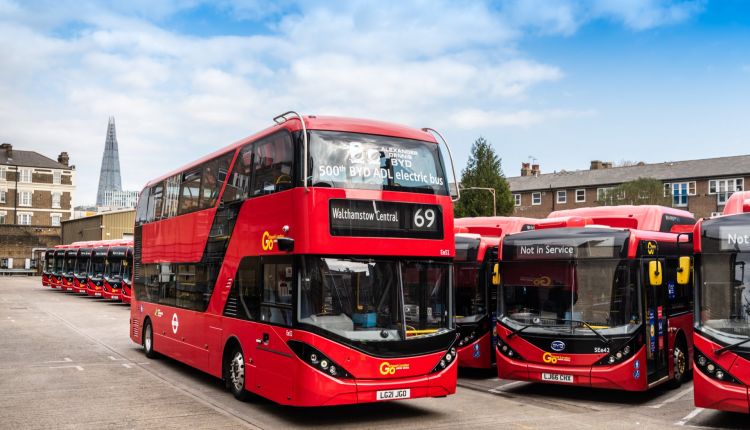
(66, 361)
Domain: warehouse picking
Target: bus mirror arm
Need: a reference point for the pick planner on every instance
(453, 166)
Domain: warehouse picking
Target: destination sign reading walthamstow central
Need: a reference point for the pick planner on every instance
(371, 218)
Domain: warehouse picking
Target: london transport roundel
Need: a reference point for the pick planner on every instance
(175, 323)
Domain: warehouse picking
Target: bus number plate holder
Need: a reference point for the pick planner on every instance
(556, 377)
(393, 394)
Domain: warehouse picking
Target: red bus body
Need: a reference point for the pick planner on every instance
(477, 242)
(576, 304)
(282, 233)
(722, 308)
(117, 264)
(49, 263)
(57, 273)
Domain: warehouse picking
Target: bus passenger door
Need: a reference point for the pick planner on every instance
(656, 318)
(274, 360)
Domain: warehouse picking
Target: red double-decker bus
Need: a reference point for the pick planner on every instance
(602, 303)
(722, 308)
(475, 270)
(49, 266)
(118, 269)
(309, 264)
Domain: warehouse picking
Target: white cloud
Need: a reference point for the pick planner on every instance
(68, 65)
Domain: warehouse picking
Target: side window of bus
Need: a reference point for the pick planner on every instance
(239, 180)
(276, 305)
(190, 190)
(141, 210)
(166, 281)
(214, 175)
(248, 286)
(273, 159)
(171, 196)
(155, 202)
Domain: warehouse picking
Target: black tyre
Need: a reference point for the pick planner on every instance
(148, 340)
(680, 363)
(234, 374)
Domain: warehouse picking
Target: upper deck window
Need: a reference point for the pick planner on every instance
(364, 161)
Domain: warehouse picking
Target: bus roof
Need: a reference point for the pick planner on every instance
(737, 203)
(493, 225)
(646, 217)
(314, 122)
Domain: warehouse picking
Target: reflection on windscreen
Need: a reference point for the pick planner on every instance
(351, 160)
(725, 296)
(470, 302)
(599, 292)
(362, 299)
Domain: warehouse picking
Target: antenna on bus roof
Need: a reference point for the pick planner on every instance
(283, 118)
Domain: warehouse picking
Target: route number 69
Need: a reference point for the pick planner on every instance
(427, 218)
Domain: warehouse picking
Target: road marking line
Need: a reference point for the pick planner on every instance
(115, 359)
(497, 389)
(64, 360)
(672, 399)
(126, 365)
(689, 417)
(66, 367)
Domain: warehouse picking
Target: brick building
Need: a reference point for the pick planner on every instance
(36, 194)
(699, 186)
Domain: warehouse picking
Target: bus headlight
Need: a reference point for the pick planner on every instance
(711, 369)
(318, 360)
(446, 359)
(507, 351)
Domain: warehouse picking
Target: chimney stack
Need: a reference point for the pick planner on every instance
(525, 169)
(63, 158)
(535, 170)
(8, 149)
(596, 165)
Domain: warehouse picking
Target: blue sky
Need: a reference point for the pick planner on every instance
(563, 81)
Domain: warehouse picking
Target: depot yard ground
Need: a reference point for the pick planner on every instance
(66, 361)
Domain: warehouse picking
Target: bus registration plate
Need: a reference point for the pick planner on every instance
(393, 394)
(556, 377)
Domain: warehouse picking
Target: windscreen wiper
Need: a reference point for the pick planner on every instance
(519, 330)
(585, 324)
(732, 346)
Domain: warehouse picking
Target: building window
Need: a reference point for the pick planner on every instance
(561, 197)
(24, 198)
(56, 218)
(580, 195)
(517, 199)
(24, 175)
(24, 218)
(724, 188)
(3, 214)
(680, 192)
(3, 173)
(56, 200)
(3, 196)
(56, 177)
(715, 214)
(536, 199)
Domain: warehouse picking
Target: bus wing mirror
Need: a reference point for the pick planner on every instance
(683, 271)
(654, 273)
(285, 244)
(496, 274)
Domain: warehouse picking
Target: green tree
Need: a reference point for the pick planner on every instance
(483, 170)
(642, 191)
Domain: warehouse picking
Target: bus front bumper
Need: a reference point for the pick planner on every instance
(723, 396)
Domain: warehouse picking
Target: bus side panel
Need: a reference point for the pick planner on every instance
(477, 354)
(166, 240)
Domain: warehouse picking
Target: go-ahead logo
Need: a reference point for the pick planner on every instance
(550, 358)
(266, 241)
(387, 368)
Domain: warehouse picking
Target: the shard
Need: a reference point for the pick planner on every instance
(109, 176)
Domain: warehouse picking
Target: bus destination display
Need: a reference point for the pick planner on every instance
(369, 218)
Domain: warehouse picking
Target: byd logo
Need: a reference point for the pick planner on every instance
(550, 358)
(387, 368)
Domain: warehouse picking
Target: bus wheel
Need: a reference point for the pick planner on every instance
(235, 374)
(148, 340)
(680, 365)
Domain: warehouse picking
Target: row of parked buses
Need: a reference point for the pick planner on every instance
(314, 263)
(97, 268)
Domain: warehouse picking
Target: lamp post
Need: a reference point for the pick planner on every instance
(491, 190)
